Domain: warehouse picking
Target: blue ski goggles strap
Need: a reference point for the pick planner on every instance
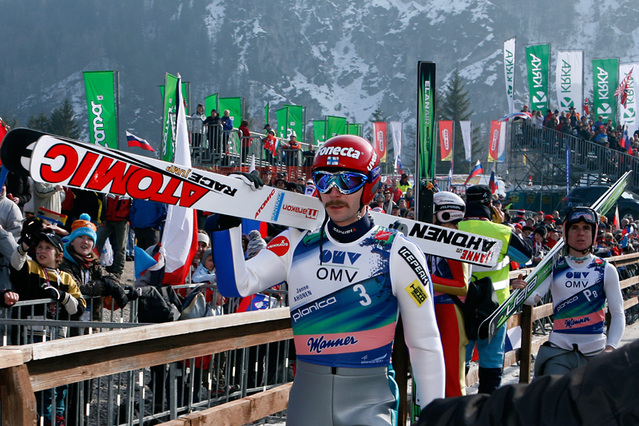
(585, 214)
(345, 182)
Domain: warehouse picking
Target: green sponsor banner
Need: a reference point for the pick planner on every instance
(210, 103)
(319, 132)
(281, 115)
(266, 110)
(605, 78)
(335, 126)
(186, 95)
(234, 105)
(169, 117)
(354, 129)
(100, 87)
(537, 64)
(426, 149)
(296, 120)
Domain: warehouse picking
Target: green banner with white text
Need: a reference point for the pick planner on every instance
(169, 117)
(102, 94)
(537, 65)
(426, 149)
(605, 76)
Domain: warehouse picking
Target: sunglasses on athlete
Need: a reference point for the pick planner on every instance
(345, 182)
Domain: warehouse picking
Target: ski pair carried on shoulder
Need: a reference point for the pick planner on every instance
(62, 161)
(545, 267)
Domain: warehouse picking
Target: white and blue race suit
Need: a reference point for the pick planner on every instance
(345, 303)
(579, 291)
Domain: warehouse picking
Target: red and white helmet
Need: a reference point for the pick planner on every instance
(449, 207)
(354, 153)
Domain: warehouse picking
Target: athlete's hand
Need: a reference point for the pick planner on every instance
(251, 179)
(518, 282)
(220, 222)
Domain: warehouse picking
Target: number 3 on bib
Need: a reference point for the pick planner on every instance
(366, 299)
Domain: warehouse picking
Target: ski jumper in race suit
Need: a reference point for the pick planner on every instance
(346, 289)
(451, 277)
(579, 288)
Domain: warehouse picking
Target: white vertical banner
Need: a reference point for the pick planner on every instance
(467, 138)
(628, 114)
(509, 72)
(179, 238)
(569, 76)
(396, 132)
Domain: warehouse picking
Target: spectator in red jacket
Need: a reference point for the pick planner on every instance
(245, 136)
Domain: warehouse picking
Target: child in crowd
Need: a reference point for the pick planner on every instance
(205, 273)
(81, 262)
(41, 278)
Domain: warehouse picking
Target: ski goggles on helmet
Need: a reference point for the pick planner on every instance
(345, 182)
(585, 214)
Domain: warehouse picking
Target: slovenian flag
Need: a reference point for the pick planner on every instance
(139, 142)
(476, 171)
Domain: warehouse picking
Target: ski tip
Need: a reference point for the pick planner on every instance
(16, 149)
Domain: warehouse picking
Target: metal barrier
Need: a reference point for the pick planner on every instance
(134, 396)
(594, 161)
(151, 372)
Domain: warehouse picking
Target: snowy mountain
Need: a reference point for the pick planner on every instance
(336, 57)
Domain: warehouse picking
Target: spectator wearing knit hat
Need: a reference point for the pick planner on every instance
(81, 262)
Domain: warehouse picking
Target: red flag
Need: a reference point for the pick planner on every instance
(3, 129)
(379, 139)
(446, 140)
(493, 148)
(179, 238)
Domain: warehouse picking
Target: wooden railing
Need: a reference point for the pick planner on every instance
(30, 368)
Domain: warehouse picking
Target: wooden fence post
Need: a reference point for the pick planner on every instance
(17, 397)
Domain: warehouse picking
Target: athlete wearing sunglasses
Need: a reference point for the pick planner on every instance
(348, 281)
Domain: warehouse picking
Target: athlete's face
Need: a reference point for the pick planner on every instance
(579, 237)
(341, 208)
